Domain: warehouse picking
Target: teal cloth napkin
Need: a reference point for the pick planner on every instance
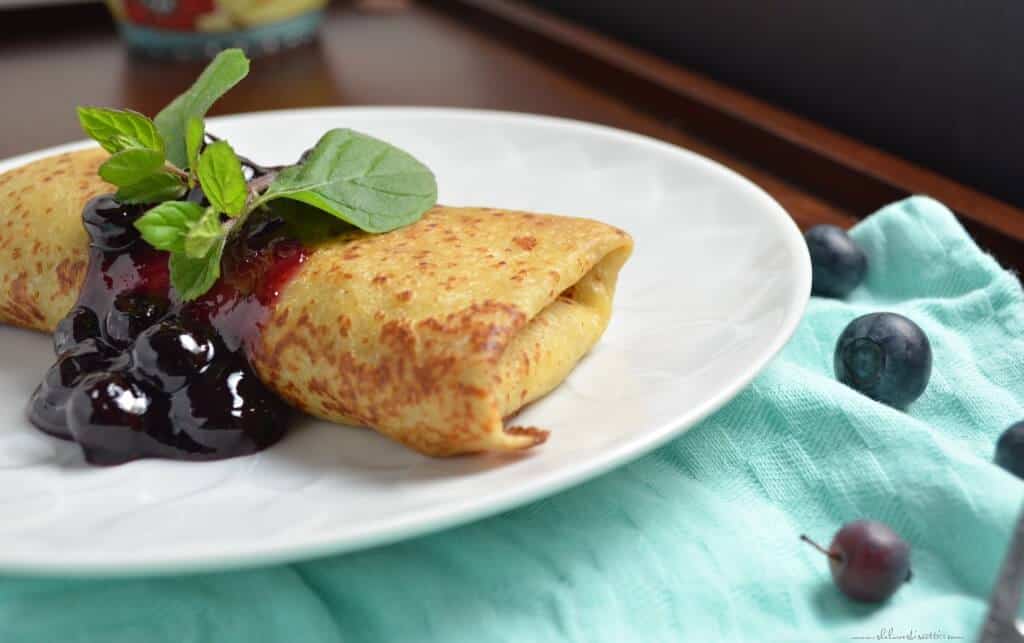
(697, 541)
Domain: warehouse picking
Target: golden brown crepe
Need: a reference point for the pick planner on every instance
(431, 334)
(43, 246)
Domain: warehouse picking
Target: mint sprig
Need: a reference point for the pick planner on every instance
(131, 166)
(357, 179)
(192, 277)
(194, 135)
(165, 226)
(117, 130)
(206, 233)
(220, 175)
(137, 165)
(160, 186)
(224, 72)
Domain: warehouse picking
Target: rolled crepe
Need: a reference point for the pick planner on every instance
(431, 334)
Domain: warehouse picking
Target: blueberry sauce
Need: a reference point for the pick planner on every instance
(141, 373)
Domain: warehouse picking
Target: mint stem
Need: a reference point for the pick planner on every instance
(247, 161)
(173, 169)
(260, 184)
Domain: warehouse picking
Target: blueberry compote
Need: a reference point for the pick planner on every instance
(140, 373)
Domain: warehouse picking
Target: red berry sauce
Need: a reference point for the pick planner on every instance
(141, 373)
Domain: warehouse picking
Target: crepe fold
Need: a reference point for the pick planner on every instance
(432, 334)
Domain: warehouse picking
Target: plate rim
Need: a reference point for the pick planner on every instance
(438, 518)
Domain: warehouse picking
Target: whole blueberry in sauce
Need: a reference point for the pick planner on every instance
(77, 326)
(140, 373)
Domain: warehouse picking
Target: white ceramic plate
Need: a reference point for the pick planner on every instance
(717, 284)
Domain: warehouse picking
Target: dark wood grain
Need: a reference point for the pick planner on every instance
(846, 173)
(480, 54)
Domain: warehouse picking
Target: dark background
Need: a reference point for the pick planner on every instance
(940, 83)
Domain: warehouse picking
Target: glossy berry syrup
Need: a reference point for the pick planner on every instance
(142, 374)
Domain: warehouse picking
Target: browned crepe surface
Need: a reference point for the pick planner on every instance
(431, 334)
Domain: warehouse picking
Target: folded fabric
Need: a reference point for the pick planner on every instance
(697, 541)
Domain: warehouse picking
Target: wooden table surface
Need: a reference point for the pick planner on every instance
(457, 53)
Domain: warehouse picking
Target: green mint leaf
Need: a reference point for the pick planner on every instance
(223, 73)
(162, 186)
(165, 226)
(194, 132)
(117, 130)
(131, 166)
(206, 232)
(192, 277)
(220, 174)
(359, 179)
(307, 224)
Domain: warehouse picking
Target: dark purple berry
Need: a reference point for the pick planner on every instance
(838, 264)
(869, 561)
(110, 224)
(886, 357)
(48, 402)
(230, 410)
(1010, 450)
(116, 418)
(170, 355)
(131, 314)
(141, 373)
(108, 409)
(107, 400)
(46, 410)
(88, 356)
(78, 325)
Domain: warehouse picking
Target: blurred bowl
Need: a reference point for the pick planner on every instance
(197, 29)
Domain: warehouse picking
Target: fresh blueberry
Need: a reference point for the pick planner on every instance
(171, 355)
(110, 224)
(131, 314)
(78, 325)
(1010, 450)
(886, 357)
(868, 560)
(838, 264)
